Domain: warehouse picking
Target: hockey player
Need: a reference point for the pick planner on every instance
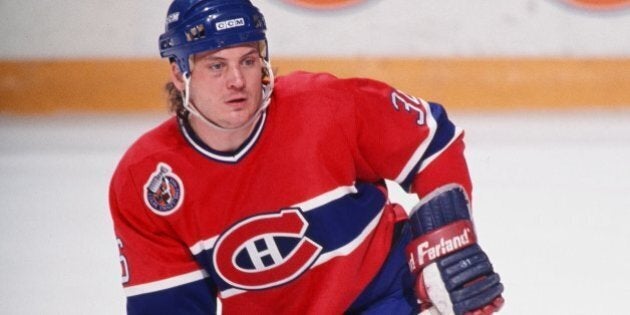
(266, 195)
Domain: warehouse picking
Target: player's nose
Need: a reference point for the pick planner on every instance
(235, 79)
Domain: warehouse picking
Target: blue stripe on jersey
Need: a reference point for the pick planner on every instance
(443, 135)
(193, 298)
(341, 221)
(331, 226)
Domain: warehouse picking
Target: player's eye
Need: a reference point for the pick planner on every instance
(216, 66)
(250, 61)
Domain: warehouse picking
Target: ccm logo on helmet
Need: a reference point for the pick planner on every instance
(265, 251)
(224, 25)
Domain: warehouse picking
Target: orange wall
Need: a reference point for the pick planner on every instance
(47, 86)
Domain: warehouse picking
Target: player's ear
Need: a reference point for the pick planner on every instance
(176, 77)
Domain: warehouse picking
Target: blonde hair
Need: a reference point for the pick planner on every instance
(174, 99)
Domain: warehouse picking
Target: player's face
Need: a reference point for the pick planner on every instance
(226, 84)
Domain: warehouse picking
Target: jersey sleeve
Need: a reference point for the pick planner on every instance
(404, 138)
(159, 274)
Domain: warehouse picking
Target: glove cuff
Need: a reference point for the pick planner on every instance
(438, 243)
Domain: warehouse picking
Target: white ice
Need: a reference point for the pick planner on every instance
(551, 206)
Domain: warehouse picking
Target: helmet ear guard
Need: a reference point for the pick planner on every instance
(193, 26)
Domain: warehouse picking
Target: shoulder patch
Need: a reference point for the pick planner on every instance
(163, 191)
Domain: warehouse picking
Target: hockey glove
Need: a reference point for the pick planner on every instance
(452, 272)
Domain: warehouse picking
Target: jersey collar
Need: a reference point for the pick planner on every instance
(222, 156)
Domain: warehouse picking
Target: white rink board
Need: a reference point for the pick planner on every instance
(446, 28)
(550, 204)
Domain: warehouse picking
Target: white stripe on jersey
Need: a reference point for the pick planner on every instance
(325, 198)
(230, 293)
(417, 155)
(166, 283)
(307, 205)
(425, 163)
(203, 245)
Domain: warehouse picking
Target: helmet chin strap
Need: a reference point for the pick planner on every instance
(267, 90)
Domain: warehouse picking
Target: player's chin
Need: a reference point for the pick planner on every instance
(238, 119)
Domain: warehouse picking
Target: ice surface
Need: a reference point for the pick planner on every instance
(550, 203)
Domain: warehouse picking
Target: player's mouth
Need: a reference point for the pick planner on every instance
(237, 101)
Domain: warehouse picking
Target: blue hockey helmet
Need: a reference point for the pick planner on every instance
(193, 26)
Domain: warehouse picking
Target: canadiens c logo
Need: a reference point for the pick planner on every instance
(265, 251)
(163, 191)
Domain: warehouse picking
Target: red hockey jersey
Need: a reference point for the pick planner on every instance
(292, 222)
